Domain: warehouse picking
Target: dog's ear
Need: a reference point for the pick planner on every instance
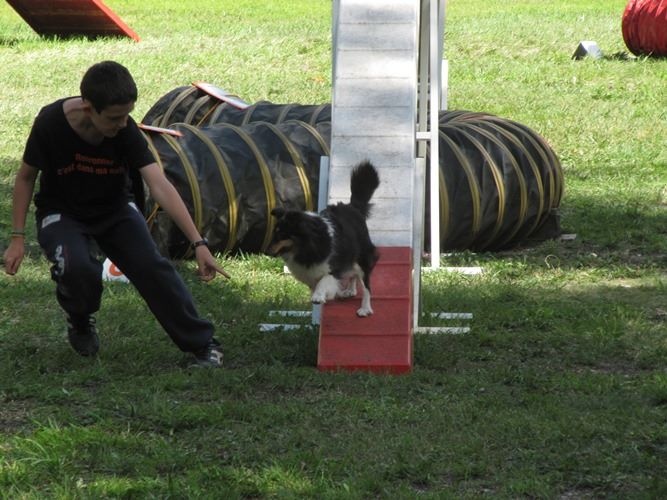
(278, 212)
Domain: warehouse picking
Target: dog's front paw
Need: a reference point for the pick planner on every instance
(318, 298)
(362, 312)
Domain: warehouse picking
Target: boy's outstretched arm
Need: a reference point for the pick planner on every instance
(21, 196)
(165, 194)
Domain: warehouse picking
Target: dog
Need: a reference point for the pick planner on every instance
(331, 251)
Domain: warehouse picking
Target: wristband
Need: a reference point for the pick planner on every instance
(17, 234)
(199, 243)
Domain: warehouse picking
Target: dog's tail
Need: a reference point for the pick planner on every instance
(363, 183)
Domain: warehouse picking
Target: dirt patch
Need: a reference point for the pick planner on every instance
(14, 416)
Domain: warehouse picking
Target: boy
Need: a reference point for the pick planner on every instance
(84, 150)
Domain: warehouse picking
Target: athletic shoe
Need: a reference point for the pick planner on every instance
(209, 356)
(82, 336)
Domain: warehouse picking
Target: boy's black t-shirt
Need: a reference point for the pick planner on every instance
(77, 178)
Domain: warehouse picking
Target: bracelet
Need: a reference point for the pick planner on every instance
(200, 243)
(18, 234)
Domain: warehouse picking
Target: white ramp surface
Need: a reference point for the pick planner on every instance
(374, 104)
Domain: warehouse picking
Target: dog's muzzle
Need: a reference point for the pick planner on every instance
(280, 247)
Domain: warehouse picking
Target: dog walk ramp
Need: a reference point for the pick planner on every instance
(381, 342)
(66, 18)
(374, 104)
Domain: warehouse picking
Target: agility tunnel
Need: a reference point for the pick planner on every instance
(231, 177)
(203, 104)
(500, 183)
(644, 27)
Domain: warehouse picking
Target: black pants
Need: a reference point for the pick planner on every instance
(126, 241)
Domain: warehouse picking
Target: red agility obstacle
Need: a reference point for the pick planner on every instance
(644, 27)
(382, 342)
(67, 18)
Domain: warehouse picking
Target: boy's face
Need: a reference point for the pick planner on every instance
(111, 119)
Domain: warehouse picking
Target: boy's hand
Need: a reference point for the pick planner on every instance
(208, 267)
(13, 256)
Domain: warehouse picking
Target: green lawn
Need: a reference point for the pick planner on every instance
(558, 391)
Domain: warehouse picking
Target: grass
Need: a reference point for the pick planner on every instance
(558, 391)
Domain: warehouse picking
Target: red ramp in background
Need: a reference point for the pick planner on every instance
(382, 342)
(66, 18)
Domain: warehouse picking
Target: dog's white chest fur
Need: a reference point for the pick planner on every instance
(310, 275)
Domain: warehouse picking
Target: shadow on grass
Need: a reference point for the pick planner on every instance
(617, 326)
(10, 41)
(618, 225)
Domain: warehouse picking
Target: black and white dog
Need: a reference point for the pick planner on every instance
(332, 250)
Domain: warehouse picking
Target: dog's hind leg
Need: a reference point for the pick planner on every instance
(365, 309)
(348, 290)
(365, 277)
(347, 286)
(326, 289)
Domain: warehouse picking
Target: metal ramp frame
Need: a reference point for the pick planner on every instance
(386, 63)
(67, 18)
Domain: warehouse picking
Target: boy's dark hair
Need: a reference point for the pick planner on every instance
(107, 83)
